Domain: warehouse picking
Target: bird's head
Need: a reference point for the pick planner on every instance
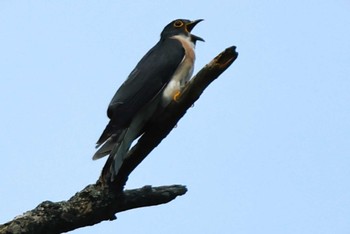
(181, 27)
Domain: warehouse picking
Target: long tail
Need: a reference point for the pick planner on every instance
(117, 142)
(118, 154)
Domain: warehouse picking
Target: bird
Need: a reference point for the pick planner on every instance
(157, 79)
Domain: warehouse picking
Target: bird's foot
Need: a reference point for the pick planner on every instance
(177, 95)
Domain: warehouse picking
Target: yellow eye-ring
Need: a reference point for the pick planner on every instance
(178, 24)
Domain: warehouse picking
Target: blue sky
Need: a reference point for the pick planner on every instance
(265, 149)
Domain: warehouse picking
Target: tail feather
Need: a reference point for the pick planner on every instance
(110, 130)
(117, 146)
(117, 155)
(106, 148)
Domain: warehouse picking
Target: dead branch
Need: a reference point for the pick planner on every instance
(98, 202)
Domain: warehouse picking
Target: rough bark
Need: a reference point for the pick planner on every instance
(101, 201)
(93, 204)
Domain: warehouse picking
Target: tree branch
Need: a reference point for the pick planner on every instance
(98, 202)
(93, 204)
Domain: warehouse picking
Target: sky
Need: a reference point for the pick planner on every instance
(266, 149)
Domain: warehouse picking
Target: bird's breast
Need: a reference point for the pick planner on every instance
(184, 71)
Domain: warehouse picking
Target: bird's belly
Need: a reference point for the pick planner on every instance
(177, 82)
(170, 90)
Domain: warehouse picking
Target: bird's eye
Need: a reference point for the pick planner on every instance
(178, 24)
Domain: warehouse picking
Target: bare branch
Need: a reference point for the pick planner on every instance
(98, 202)
(90, 206)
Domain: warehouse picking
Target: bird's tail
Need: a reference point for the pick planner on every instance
(118, 154)
(118, 144)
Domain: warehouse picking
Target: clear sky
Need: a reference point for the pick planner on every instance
(265, 150)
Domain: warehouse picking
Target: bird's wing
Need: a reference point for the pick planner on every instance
(148, 78)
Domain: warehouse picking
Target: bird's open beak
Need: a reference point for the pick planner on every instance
(189, 28)
(191, 24)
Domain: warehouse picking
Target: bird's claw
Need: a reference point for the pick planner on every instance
(177, 95)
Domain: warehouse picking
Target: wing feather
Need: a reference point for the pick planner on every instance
(147, 79)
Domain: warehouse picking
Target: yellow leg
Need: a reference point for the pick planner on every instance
(177, 96)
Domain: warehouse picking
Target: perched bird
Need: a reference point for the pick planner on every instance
(155, 81)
